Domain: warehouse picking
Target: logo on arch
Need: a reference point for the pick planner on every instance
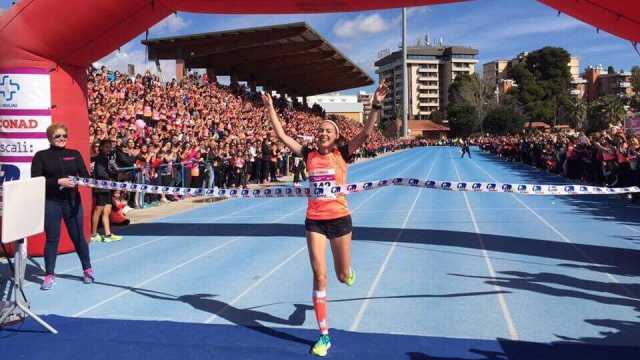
(9, 172)
(8, 87)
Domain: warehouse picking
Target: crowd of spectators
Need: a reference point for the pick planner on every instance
(608, 158)
(196, 132)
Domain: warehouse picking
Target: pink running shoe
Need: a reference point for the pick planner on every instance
(49, 281)
(88, 276)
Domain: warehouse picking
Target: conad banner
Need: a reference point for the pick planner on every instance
(25, 114)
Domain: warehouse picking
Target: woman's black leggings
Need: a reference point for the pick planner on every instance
(71, 213)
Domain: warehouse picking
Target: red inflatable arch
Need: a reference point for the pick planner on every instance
(66, 37)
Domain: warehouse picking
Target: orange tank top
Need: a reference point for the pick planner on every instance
(326, 171)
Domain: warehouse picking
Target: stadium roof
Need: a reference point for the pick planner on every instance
(291, 58)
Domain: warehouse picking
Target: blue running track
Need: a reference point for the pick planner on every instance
(441, 275)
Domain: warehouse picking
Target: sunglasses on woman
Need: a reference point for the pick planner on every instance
(60, 136)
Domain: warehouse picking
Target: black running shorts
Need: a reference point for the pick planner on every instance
(102, 198)
(330, 228)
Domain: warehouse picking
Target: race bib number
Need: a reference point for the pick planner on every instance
(322, 181)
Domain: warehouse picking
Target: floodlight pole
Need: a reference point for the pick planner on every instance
(405, 77)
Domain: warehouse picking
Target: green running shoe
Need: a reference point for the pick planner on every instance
(112, 237)
(352, 278)
(96, 238)
(322, 346)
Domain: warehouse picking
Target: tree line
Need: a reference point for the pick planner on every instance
(542, 93)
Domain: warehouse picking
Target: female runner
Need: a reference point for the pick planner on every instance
(328, 215)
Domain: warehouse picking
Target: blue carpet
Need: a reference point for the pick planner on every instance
(87, 338)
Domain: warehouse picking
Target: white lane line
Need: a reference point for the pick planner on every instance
(289, 258)
(124, 292)
(361, 166)
(554, 229)
(631, 228)
(383, 266)
(254, 285)
(140, 284)
(124, 251)
(438, 210)
(506, 313)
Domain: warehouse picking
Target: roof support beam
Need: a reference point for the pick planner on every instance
(276, 61)
(226, 41)
(242, 52)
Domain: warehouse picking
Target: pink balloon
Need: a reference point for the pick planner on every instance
(140, 124)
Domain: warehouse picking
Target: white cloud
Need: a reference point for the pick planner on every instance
(362, 24)
(481, 34)
(135, 54)
(170, 25)
(411, 12)
(227, 22)
(540, 25)
(418, 10)
(118, 60)
(603, 48)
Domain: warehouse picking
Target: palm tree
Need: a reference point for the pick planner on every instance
(578, 113)
(614, 110)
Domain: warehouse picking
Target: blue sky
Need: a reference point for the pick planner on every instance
(498, 28)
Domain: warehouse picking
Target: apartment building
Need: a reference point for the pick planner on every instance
(496, 73)
(600, 83)
(431, 70)
(365, 99)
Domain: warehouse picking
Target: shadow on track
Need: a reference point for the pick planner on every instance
(599, 258)
(612, 260)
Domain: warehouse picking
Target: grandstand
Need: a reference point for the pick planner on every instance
(220, 132)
